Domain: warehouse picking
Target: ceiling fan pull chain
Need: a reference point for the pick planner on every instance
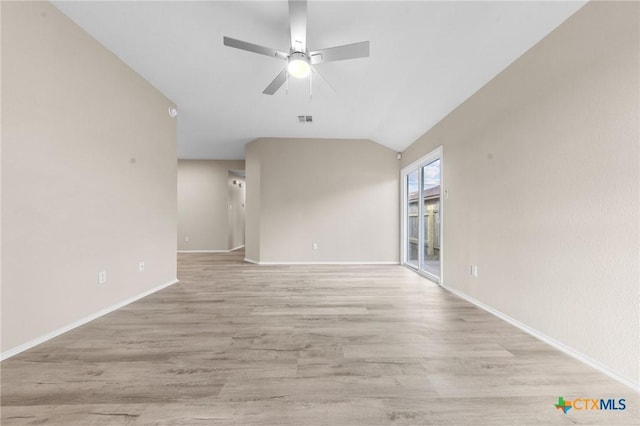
(310, 87)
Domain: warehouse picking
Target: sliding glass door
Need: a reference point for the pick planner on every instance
(422, 212)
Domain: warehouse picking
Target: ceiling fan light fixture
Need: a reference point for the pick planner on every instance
(298, 66)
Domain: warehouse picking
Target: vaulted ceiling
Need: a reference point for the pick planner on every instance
(427, 58)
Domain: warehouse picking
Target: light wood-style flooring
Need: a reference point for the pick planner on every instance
(240, 344)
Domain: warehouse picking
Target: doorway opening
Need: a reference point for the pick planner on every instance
(236, 218)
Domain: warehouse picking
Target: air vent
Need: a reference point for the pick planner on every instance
(305, 119)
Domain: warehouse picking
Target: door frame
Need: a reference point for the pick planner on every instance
(404, 172)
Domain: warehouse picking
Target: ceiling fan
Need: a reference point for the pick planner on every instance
(300, 60)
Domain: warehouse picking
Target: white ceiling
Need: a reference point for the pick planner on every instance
(426, 58)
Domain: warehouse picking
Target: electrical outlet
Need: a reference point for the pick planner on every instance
(141, 266)
(314, 246)
(102, 277)
(475, 270)
(186, 239)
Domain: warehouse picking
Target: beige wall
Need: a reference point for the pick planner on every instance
(88, 176)
(203, 204)
(542, 170)
(341, 194)
(253, 203)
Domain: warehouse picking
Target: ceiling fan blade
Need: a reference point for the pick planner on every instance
(340, 53)
(316, 72)
(298, 24)
(276, 83)
(250, 47)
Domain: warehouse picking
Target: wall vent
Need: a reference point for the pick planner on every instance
(305, 119)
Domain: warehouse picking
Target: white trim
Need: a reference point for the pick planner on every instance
(426, 159)
(211, 251)
(246, 259)
(548, 340)
(320, 263)
(23, 347)
(443, 196)
(203, 251)
(403, 218)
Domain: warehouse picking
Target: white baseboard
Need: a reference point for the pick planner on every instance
(28, 345)
(320, 263)
(203, 251)
(548, 340)
(211, 251)
(246, 259)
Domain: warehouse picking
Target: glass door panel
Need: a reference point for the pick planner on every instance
(413, 223)
(430, 232)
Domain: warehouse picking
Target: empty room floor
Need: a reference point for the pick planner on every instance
(240, 344)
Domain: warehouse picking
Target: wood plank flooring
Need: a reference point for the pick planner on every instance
(240, 344)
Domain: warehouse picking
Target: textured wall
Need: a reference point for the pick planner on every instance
(88, 176)
(542, 170)
(341, 194)
(253, 214)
